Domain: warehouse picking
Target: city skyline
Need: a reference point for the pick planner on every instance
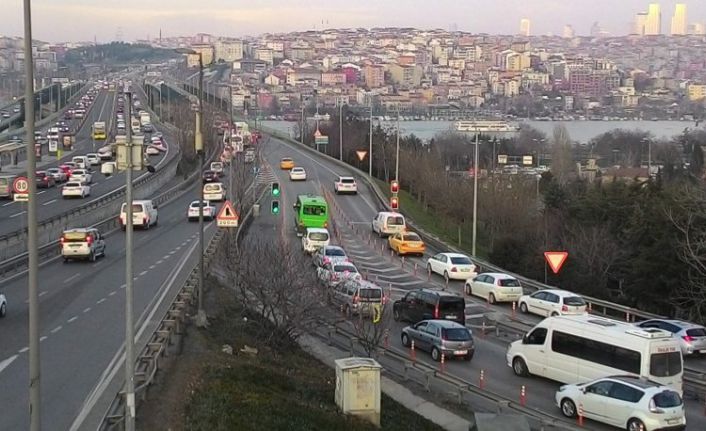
(82, 20)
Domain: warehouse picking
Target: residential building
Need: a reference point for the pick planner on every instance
(569, 32)
(697, 29)
(333, 78)
(405, 75)
(374, 75)
(653, 26)
(265, 54)
(228, 50)
(206, 51)
(697, 92)
(525, 27)
(640, 24)
(679, 27)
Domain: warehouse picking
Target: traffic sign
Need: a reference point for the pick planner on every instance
(227, 217)
(361, 154)
(20, 197)
(556, 259)
(20, 185)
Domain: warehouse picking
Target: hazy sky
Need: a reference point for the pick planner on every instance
(74, 20)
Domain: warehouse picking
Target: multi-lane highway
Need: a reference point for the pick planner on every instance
(372, 256)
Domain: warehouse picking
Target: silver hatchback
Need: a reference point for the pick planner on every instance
(446, 337)
(692, 337)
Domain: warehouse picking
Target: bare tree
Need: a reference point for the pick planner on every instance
(562, 163)
(596, 248)
(371, 330)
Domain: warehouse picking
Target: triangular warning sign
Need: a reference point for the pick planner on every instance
(361, 154)
(556, 259)
(227, 212)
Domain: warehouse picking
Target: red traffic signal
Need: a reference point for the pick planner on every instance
(394, 202)
(395, 186)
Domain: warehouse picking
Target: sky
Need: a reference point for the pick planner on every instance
(128, 20)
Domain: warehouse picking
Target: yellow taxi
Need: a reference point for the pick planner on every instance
(286, 163)
(407, 243)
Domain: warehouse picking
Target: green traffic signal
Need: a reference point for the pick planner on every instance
(275, 207)
(275, 189)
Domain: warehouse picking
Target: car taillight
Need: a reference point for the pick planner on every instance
(89, 240)
(436, 311)
(327, 260)
(564, 308)
(653, 407)
(688, 338)
(144, 220)
(62, 240)
(453, 269)
(356, 298)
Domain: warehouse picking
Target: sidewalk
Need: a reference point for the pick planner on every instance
(440, 416)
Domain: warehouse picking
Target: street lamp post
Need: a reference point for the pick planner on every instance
(397, 156)
(340, 131)
(370, 150)
(129, 323)
(32, 243)
(475, 195)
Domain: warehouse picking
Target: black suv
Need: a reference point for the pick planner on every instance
(425, 304)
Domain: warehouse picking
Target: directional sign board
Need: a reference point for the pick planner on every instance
(361, 154)
(227, 217)
(556, 259)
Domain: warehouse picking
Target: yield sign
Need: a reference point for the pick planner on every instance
(556, 259)
(227, 217)
(361, 154)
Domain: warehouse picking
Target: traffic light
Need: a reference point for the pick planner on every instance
(395, 203)
(275, 189)
(395, 186)
(275, 207)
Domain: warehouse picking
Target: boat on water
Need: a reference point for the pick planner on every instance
(486, 126)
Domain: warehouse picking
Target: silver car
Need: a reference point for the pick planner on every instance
(329, 253)
(451, 339)
(692, 337)
(332, 273)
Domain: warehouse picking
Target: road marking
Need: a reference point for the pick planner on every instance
(86, 310)
(123, 286)
(43, 191)
(73, 277)
(9, 203)
(100, 301)
(176, 249)
(49, 202)
(72, 319)
(152, 266)
(113, 293)
(166, 256)
(96, 264)
(6, 363)
(18, 214)
(43, 292)
(42, 338)
(159, 262)
(24, 349)
(171, 252)
(57, 329)
(142, 273)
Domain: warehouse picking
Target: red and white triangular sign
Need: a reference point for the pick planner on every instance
(361, 154)
(227, 217)
(556, 259)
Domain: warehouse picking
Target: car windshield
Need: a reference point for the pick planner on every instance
(318, 236)
(347, 180)
(667, 399)
(335, 252)
(665, 364)
(456, 334)
(412, 237)
(344, 268)
(576, 301)
(508, 282)
(461, 260)
(395, 221)
(75, 236)
(452, 304)
(286, 160)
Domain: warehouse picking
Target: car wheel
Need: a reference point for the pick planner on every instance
(348, 311)
(554, 314)
(523, 307)
(156, 221)
(3, 310)
(429, 271)
(519, 367)
(468, 357)
(568, 408)
(446, 276)
(405, 340)
(635, 425)
(491, 298)
(396, 315)
(92, 257)
(435, 354)
(467, 289)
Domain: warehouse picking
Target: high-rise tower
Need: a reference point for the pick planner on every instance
(679, 26)
(525, 27)
(653, 26)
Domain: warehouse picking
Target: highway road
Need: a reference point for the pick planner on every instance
(82, 320)
(51, 203)
(372, 256)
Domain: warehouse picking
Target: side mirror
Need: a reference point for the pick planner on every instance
(524, 339)
(294, 206)
(583, 390)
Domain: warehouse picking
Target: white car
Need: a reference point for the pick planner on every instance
(552, 302)
(105, 153)
(214, 192)
(93, 158)
(626, 402)
(152, 150)
(345, 185)
(297, 174)
(81, 175)
(494, 287)
(452, 266)
(209, 211)
(314, 238)
(74, 189)
(3, 305)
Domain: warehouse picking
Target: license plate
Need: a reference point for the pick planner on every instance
(451, 316)
(673, 421)
(460, 352)
(702, 351)
(465, 270)
(75, 245)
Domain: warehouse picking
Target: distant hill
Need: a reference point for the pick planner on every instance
(116, 52)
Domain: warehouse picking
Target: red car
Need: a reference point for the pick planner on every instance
(44, 180)
(67, 169)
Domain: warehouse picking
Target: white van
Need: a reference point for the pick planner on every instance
(314, 238)
(214, 192)
(81, 162)
(144, 214)
(579, 348)
(388, 223)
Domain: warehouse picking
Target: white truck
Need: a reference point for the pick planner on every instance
(145, 118)
(135, 126)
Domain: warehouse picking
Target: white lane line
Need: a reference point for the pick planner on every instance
(18, 214)
(177, 249)
(6, 363)
(166, 256)
(72, 319)
(43, 191)
(57, 329)
(171, 252)
(113, 293)
(24, 349)
(142, 273)
(42, 293)
(73, 277)
(49, 202)
(100, 301)
(96, 264)
(134, 278)
(123, 286)
(159, 262)
(42, 338)
(9, 203)
(152, 266)
(86, 310)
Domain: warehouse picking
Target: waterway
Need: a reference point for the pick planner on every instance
(580, 131)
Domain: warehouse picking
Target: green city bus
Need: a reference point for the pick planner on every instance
(310, 211)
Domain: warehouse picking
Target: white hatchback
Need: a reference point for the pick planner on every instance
(345, 185)
(214, 191)
(209, 211)
(552, 302)
(73, 189)
(494, 287)
(452, 266)
(297, 174)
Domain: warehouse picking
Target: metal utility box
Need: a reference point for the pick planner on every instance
(358, 387)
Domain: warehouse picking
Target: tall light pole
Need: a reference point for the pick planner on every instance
(370, 150)
(33, 265)
(129, 289)
(397, 156)
(340, 131)
(475, 195)
(198, 145)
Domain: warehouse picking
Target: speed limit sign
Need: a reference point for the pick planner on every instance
(20, 186)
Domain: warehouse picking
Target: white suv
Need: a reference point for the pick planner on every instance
(626, 402)
(345, 185)
(314, 238)
(83, 243)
